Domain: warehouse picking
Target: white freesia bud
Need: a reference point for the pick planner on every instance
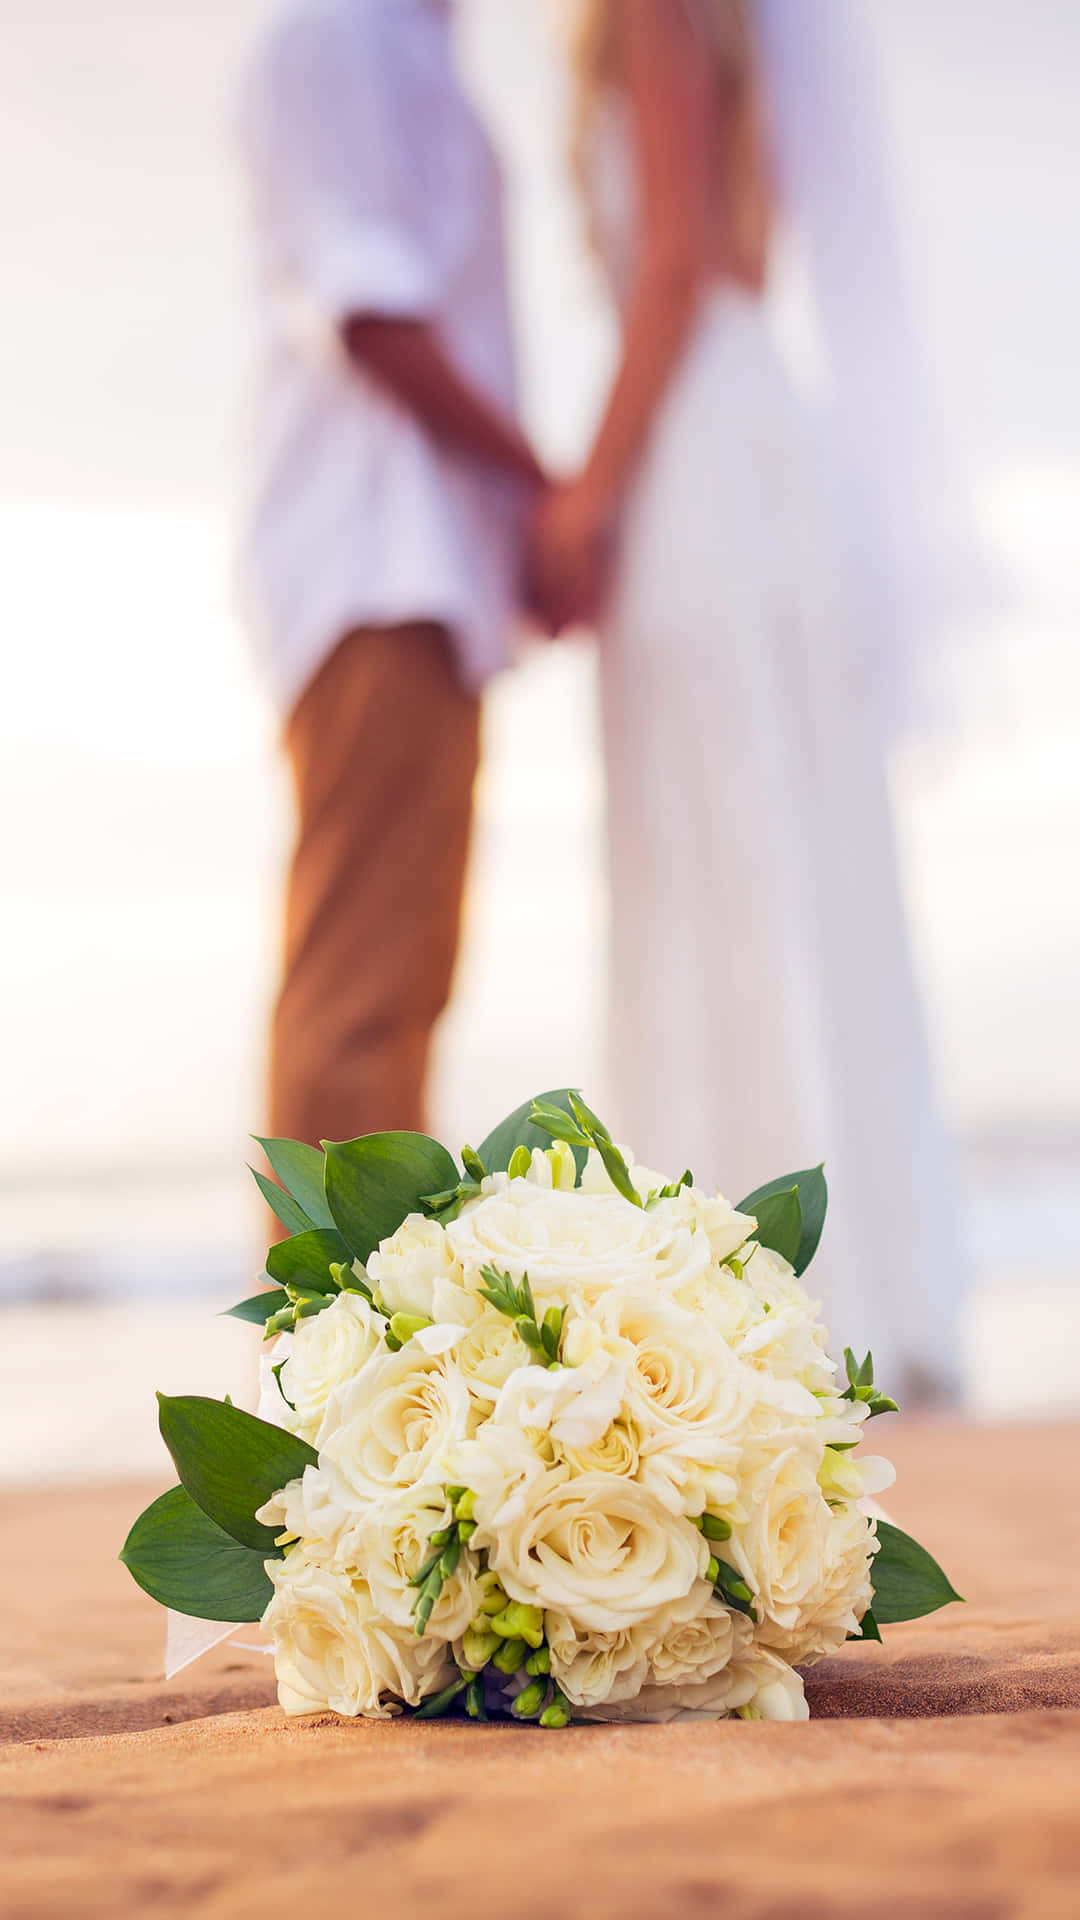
(574, 1404)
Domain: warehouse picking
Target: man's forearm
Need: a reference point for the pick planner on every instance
(408, 358)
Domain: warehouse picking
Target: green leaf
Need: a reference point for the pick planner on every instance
(301, 1170)
(178, 1556)
(779, 1223)
(373, 1182)
(813, 1203)
(518, 1130)
(289, 1211)
(231, 1463)
(260, 1306)
(305, 1259)
(870, 1628)
(907, 1582)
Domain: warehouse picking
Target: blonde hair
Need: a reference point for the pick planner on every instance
(727, 43)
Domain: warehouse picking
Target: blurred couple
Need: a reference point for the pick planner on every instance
(762, 1003)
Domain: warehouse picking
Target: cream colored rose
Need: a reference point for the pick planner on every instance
(691, 1639)
(726, 1302)
(686, 1393)
(334, 1650)
(764, 1687)
(573, 1246)
(831, 1606)
(618, 1450)
(783, 1547)
(757, 1685)
(327, 1349)
(397, 1424)
(489, 1351)
(415, 1271)
(602, 1549)
(591, 1667)
(392, 1541)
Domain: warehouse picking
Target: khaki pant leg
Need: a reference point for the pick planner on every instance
(383, 749)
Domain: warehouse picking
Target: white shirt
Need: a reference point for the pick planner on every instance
(375, 191)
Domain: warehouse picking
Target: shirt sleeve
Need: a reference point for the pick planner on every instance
(338, 152)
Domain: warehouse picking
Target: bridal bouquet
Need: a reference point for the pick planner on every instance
(544, 1435)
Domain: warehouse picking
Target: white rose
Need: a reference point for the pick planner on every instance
(396, 1424)
(392, 1541)
(833, 1604)
(414, 1271)
(573, 1246)
(728, 1304)
(593, 1668)
(333, 1650)
(490, 1350)
(783, 1546)
(765, 1687)
(686, 1393)
(602, 1549)
(327, 1349)
(618, 1450)
(691, 1639)
(757, 1686)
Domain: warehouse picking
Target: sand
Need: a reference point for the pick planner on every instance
(938, 1776)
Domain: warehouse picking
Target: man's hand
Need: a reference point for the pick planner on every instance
(569, 554)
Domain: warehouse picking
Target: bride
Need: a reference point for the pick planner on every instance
(763, 1004)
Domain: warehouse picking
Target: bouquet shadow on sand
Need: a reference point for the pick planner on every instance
(542, 1434)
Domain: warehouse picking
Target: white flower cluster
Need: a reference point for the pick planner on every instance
(652, 1513)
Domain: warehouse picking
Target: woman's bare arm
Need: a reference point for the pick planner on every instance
(668, 85)
(409, 359)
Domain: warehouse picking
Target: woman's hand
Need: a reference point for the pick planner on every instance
(569, 553)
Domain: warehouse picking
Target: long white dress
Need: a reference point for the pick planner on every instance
(764, 1011)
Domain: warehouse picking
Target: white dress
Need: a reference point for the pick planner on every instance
(764, 1012)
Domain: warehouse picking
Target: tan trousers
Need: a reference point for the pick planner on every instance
(383, 749)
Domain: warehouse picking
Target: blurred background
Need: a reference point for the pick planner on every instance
(145, 815)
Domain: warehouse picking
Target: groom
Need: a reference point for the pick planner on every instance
(383, 551)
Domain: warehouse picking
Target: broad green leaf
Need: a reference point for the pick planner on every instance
(304, 1260)
(373, 1182)
(517, 1130)
(907, 1582)
(179, 1556)
(779, 1223)
(289, 1211)
(870, 1628)
(231, 1463)
(813, 1203)
(260, 1306)
(301, 1169)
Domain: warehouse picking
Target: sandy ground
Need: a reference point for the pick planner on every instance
(938, 1776)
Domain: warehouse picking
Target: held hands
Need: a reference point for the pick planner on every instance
(568, 555)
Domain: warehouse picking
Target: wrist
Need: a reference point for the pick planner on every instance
(598, 495)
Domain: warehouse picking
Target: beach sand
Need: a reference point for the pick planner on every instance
(939, 1774)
